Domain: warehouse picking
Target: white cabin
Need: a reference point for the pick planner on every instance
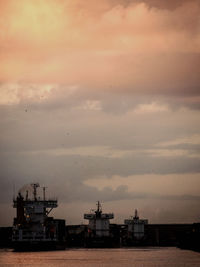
(136, 226)
(99, 223)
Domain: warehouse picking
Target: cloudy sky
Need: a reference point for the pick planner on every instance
(100, 100)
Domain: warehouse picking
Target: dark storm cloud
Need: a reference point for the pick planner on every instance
(114, 100)
(67, 173)
(84, 193)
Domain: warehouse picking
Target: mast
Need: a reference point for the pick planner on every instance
(136, 215)
(99, 210)
(44, 197)
(35, 190)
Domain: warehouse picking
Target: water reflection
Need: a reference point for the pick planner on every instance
(137, 257)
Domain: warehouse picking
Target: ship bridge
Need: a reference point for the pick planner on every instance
(44, 203)
(98, 214)
(33, 208)
(89, 216)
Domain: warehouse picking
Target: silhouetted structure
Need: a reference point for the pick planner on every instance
(32, 228)
(135, 231)
(191, 239)
(98, 231)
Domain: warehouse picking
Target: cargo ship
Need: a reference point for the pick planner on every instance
(33, 229)
(135, 234)
(98, 232)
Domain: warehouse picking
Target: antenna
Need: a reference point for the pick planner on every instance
(35, 190)
(98, 206)
(44, 188)
(136, 214)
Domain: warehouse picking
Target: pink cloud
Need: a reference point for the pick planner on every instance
(107, 46)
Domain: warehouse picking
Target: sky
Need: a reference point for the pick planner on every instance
(100, 100)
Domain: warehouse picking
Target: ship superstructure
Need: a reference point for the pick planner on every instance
(32, 226)
(135, 231)
(98, 230)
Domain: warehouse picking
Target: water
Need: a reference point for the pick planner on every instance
(151, 257)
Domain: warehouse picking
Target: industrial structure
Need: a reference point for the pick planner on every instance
(99, 227)
(135, 230)
(32, 228)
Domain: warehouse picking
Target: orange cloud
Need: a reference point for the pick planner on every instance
(103, 45)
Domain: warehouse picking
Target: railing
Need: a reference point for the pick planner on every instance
(45, 203)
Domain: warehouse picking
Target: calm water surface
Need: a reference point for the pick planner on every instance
(151, 257)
